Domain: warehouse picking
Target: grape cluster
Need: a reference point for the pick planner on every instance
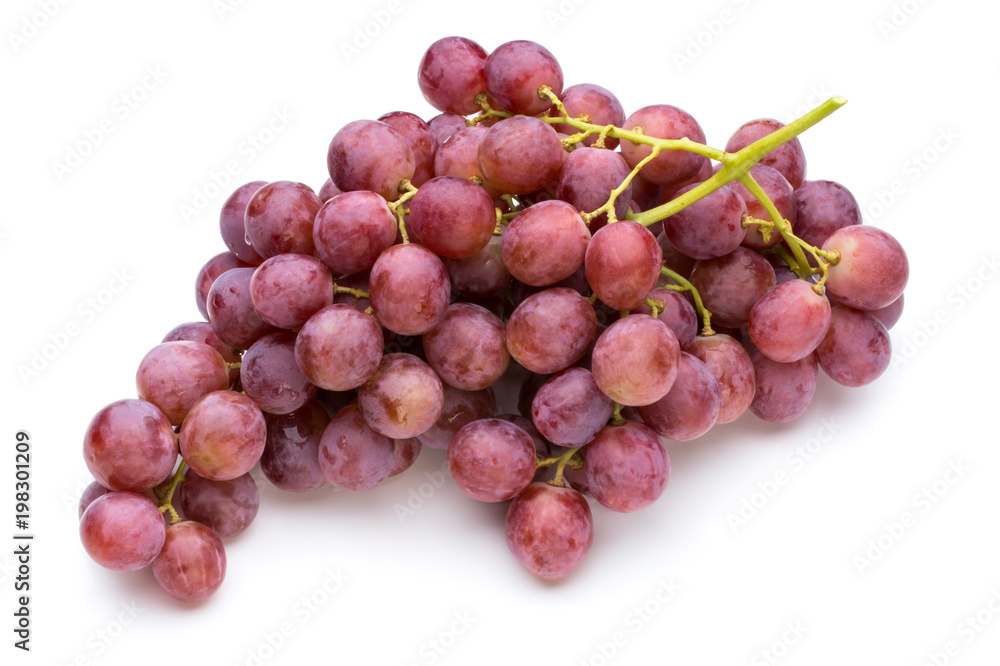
(652, 286)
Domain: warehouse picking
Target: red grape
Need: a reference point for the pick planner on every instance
(223, 435)
(192, 564)
(491, 460)
(122, 531)
(627, 467)
(549, 530)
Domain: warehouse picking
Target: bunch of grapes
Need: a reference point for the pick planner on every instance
(649, 295)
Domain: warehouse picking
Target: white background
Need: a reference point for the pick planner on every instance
(734, 591)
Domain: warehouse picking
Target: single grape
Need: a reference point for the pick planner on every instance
(873, 268)
(586, 179)
(482, 275)
(623, 263)
(291, 454)
(422, 142)
(519, 155)
(710, 227)
(598, 104)
(551, 330)
(227, 507)
(569, 409)
(122, 531)
(783, 390)
(856, 349)
(451, 74)
(459, 156)
(467, 349)
(626, 467)
(209, 273)
(175, 375)
(789, 321)
(272, 378)
(822, 207)
(663, 121)
(453, 216)
(328, 190)
(410, 289)
(407, 451)
(730, 286)
(279, 219)
(232, 223)
(545, 243)
(732, 368)
(370, 155)
(289, 288)
(339, 347)
(491, 460)
(352, 455)
(231, 313)
(201, 331)
(635, 361)
(891, 313)
(516, 70)
(444, 126)
(90, 493)
(788, 158)
(192, 564)
(223, 435)
(403, 398)
(549, 530)
(678, 314)
(459, 408)
(130, 445)
(352, 229)
(691, 406)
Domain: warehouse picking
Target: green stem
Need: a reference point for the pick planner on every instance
(166, 493)
(609, 205)
(616, 417)
(357, 293)
(684, 285)
(560, 464)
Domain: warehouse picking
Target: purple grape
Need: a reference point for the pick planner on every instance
(856, 349)
(483, 275)
(491, 460)
(678, 314)
(873, 268)
(209, 273)
(129, 445)
(663, 121)
(352, 229)
(370, 155)
(546, 243)
(789, 321)
(230, 310)
(788, 158)
(232, 223)
(228, 507)
(783, 390)
(569, 409)
(90, 493)
(732, 368)
(691, 406)
(451, 74)
(453, 216)
(627, 467)
(352, 455)
(407, 451)
(403, 398)
(623, 263)
(730, 286)
(328, 190)
(459, 408)
(223, 435)
(891, 313)
(822, 207)
(289, 288)
(422, 142)
(587, 177)
(516, 70)
(467, 349)
(279, 219)
(339, 348)
(122, 531)
(291, 455)
(459, 156)
(410, 289)
(519, 155)
(635, 361)
(710, 227)
(549, 530)
(175, 375)
(444, 126)
(192, 564)
(596, 103)
(272, 378)
(201, 331)
(551, 330)
(781, 194)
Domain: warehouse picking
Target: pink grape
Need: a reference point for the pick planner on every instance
(228, 507)
(586, 179)
(352, 455)
(468, 348)
(781, 194)
(551, 330)
(403, 398)
(370, 155)
(545, 243)
(223, 435)
(822, 207)
(192, 564)
(678, 314)
(731, 285)
(710, 227)
(459, 156)
(453, 216)
(549, 530)
(444, 126)
(232, 223)
(328, 190)
(279, 219)
(891, 313)
(458, 409)
(516, 70)
(410, 290)
(175, 375)
(873, 268)
(663, 121)
(122, 531)
(209, 273)
(789, 321)
(623, 262)
(272, 378)
(289, 288)
(569, 409)
(783, 390)
(339, 347)
(635, 361)
(691, 406)
(451, 74)
(856, 349)
(352, 229)
(789, 158)
(597, 103)
(90, 493)
(130, 445)
(519, 155)
(491, 460)
(422, 142)
(732, 368)
(291, 454)
(230, 310)
(626, 467)
(201, 331)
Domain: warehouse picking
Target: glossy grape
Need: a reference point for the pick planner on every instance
(291, 454)
(710, 227)
(453, 216)
(410, 290)
(209, 273)
(822, 207)
(192, 564)
(122, 531)
(678, 314)
(597, 103)
(230, 310)
(586, 179)
(227, 507)
(288, 289)
(130, 445)
(451, 74)
(623, 263)
(516, 70)
(444, 126)
(458, 409)
(691, 406)
(339, 348)
(551, 330)
(352, 455)
(664, 122)
(781, 194)
(468, 348)
(789, 158)
(201, 331)
(519, 155)
(223, 435)
(279, 219)
(549, 530)
(403, 398)
(635, 361)
(232, 223)
(422, 142)
(459, 156)
(789, 321)
(370, 155)
(732, 368)
(272, 378)
(491, 460)
(856, 349)
(90, 493)
(175, 375)
(482, 275)
(873, 268)
(569, 409)
(627, 468)
(352, 229)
